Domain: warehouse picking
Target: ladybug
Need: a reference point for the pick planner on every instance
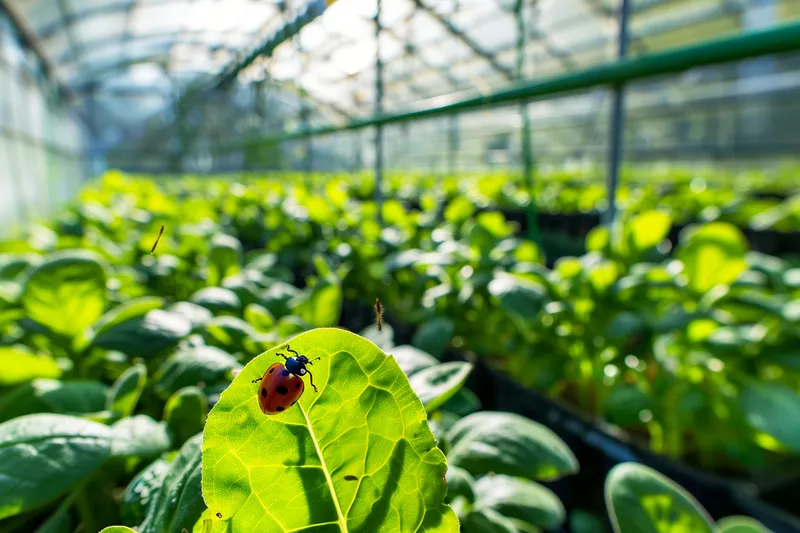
(282, 384)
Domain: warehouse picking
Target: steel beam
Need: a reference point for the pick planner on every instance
(776, 40)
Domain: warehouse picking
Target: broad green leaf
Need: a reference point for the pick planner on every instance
(142, 490)
(518, 297)
(197, 315)
(712, 254)
(648, 229)
(385, 458)
(52, 396)
(139, 436)
(772, 408)
(118, 529)
(597, 239)
(641, 500)
(506, 443)
(434, 336)
(126, 391)
(139, 329)
(437, 384)
(67, 292)
(19, 365)
(321, 305)
(520, 499)
(44, 456)
(741, 524)
(217, 300)
(60, 521)
(228, 333)
(259, 317)
(179, 503)
(411, 359)
(224, 257)
(487, 521)
(185, 413)
(460, 483)
(192, 366)
(463, 402)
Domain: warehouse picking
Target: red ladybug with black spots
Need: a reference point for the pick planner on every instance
(282, 384)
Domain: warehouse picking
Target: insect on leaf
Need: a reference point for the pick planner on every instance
(358, 456)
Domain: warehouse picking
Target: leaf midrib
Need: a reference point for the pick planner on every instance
(342, 522)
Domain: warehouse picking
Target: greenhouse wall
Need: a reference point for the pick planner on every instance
(42, 158)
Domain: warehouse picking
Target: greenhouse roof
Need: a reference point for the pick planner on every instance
(132, 59)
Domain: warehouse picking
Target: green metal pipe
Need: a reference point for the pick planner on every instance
(776, 40)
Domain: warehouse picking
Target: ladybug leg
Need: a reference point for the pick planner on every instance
(256, 380)
(311, 379)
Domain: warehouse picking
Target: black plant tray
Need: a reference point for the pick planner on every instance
(601, 446)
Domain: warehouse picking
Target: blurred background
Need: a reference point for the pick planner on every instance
(595, 202)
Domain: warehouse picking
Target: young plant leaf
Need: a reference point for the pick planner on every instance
(434, 336)
(126, 391)
(142, 490)
(45, 455)
(139, 436)
(411, 359)
(520, 499)
(741, 524)
(179, 502)
(66, 293)
(191, 366)
(185, 413)
(506, 443)
(772, 408)
(460, 483)
(437, 384)
(384, 459)
(19, 365)
(118, 529)
(712, 254)
(641, 500)
(53, 396)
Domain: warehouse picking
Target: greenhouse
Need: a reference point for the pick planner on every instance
(395, 266)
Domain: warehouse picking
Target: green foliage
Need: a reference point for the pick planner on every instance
(19, 365)
(45, 455)
(385, 458)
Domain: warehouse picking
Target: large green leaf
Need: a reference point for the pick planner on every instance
(487, 521)
(411, 359)
(117, 529)
(139, 328)
(772, 408)
(520, 499)
(126, 391)
(357, 456)
(142, 490)
(19, 365)
(185, 413)
(67, 292)
(139, 436)
(437, 384)
(518, 297)
(506, 443)
(648, 229)
(712, 254)
(434, 336)
(193, 366)
(53, 396)
(640, 500)
(179, 503)
(44, 455)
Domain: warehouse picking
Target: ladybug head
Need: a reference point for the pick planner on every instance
(303, 360)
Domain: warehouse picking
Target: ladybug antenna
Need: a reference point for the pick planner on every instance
(288, 349)
(311, 360)
(311, 379)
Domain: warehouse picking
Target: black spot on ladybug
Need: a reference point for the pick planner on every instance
(219, 515)
(263, 392)
(279, 408)
(350, 478)
(271, 370)
(283, 391)
(297, 386)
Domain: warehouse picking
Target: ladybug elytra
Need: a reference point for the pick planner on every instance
(282, 383)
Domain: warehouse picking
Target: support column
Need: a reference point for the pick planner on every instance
(378, 112)
(528, 165)
(617, 118)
